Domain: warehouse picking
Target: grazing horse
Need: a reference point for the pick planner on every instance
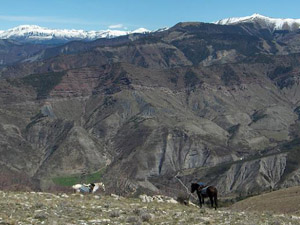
(83, 188)
(205, 191)
(88, 188)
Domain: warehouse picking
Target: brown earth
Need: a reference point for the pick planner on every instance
(285, 201)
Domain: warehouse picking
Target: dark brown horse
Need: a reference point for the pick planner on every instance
(205, 191)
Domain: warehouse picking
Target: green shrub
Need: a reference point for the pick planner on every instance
(43, 83)
(182, 198)
(75, 179)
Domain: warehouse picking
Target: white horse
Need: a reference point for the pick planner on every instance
(82, 187)
(88, 188)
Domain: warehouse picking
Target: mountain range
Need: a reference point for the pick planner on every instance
(267, 22)
(196, 102)
(37, 34)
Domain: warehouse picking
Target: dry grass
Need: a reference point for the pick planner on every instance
(282, 201)
(45, 208)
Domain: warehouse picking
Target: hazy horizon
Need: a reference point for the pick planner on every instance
(133, 14)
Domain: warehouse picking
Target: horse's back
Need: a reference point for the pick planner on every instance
(212, 190)
(204, 191)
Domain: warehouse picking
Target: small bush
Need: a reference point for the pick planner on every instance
(114, 213)
(146, 217)
(258, 115)
(40, 216)
(39, 205)
(137, 211)
(133, 220)
(182, 199)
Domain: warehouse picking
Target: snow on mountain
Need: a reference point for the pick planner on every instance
(272, 23)
(37, 33)
(162, 29)
(140, 30)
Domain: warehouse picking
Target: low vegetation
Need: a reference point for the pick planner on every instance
(283, 201)
(75, 179)
(47, 208)
(43, 83)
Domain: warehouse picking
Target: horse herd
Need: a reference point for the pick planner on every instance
(201, 189)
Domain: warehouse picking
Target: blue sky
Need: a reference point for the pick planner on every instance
(132, 14)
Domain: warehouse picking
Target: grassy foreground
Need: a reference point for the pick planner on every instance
(47, 208)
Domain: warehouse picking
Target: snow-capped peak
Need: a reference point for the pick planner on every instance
(141, 30)
(234, 20)
(272, 23)
(162, 29)
(39, 34)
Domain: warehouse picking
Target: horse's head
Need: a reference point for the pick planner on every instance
(102, 186)
(194, 187)
(97, 186)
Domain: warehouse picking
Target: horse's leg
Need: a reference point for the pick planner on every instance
(200, 201)
(216, 200)
(211, 201)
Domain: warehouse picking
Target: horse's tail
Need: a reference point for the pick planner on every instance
(216, 200)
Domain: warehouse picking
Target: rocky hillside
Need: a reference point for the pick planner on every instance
(201, 101)
(12, 52)
(46, 208)
(284, 201)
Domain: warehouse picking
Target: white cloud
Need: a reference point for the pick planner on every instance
(60, 20)
(46, 19)
(115, 26)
